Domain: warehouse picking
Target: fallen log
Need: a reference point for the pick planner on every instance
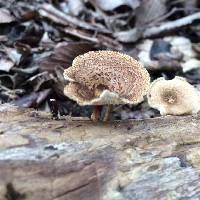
(73, 159)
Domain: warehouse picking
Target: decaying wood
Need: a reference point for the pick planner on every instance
(68, 159)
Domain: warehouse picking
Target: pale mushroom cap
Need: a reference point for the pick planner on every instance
(174, 97)
(106, 77)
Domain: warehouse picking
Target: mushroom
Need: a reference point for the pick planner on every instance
(106, 78)
(174, 97)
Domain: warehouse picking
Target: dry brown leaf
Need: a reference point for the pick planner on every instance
(196, 48)
(33, 99)
(8, 58)
(63, 55)
(41, 80)
(9, 81)
(61, 58)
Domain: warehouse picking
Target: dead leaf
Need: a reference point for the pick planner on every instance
(9, 57)
(27, 15)
(193, 76)
(12, 80)
(63, 55)
(5, 64)
(196, 29)
(60, 82)
(196, 48)
(26, 71)
(28, 33)
(7, 94)
(61, 58)
(190, 64)
(111, 5)
(184, 46)
(129, 36)
(14, 58)
(141, 111)
(3, 38)
(13, 55)
(75, 7)
(5, 16)
(190, 6)
(156, 56)
(159, 46)
(149, 10)
(59, 17)
(41, 80)
(33, 99)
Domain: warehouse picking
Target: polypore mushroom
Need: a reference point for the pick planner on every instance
(174, 97)
(106, 78)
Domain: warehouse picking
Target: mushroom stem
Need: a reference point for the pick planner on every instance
(108, 113)
(96, 113)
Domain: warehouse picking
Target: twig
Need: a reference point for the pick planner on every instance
(80, 34)
(96, 38)
(137, 33)
(163, 17)
(171, 12)
(49, 11)
(169, 26)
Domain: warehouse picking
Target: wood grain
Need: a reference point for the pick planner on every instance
(73, 159)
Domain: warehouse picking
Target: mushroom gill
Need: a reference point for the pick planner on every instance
(174, 97)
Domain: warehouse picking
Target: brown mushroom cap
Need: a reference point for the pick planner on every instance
(174, 97)
(106, 77)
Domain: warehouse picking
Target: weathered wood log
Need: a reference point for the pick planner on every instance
(68, 159)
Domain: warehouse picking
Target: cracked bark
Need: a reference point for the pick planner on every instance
(68, 159)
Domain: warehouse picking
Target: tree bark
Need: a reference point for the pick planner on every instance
(72, 159)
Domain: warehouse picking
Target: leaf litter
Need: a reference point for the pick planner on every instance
(39, 39)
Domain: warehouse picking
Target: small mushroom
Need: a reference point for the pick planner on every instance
(106, 78)
(174, 97)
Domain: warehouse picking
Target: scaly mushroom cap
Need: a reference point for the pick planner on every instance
(174, 97)
(106, 77)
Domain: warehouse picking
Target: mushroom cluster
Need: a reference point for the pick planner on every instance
(174, 97)
(106, 78)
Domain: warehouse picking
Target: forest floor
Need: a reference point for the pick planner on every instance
(39, 39)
